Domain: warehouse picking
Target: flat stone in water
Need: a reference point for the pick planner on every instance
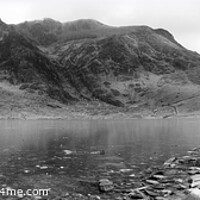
(94, 197)
(170, 161)
(135, 195)
(125, 170)
(159, 176)
(68, 152)
(152, 182)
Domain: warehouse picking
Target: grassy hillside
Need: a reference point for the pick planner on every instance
(136, 69)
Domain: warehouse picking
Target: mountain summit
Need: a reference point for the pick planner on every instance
(136, 68)
(83, 24)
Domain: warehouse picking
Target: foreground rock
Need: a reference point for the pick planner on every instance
(177, 179)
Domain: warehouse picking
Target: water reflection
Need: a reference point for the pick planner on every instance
(135, 140)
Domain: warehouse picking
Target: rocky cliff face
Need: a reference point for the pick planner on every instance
(123, 66)
(22, 63)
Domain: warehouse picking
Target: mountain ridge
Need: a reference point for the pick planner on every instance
(84, 25)
(136, 67)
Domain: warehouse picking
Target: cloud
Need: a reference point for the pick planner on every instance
(14, 11)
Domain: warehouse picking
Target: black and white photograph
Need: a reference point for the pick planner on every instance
(99, 99)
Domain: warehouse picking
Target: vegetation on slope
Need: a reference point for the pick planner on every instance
(133, 67)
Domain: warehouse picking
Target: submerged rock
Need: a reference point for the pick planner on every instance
(152, 182)
(125, 170)
(68, 152)
(3, 178)
(159, 177)
(27, 171)
(136, 195)
(101, 152)
(42, 166)
(94, 197)
(105, 185)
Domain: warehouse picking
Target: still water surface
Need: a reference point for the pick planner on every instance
(127, 143)
(134, 140)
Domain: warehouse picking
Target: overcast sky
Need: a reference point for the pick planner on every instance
(180, 17)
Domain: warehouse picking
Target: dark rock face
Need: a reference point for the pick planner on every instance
(42, 32)
(23, 63)
(121, 59)
(89, 60)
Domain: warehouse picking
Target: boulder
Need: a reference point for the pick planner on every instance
(170, 161)
(194, 194)
(195, 180)
(105, 185)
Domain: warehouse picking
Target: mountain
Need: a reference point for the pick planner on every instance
(21, 62)
(48, 31)
(28, 77)
(135, 68)
(122, 69)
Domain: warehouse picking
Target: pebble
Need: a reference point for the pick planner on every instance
(152, 182)
(135, 195)
(94, 197)
(159, 176)
(178, 178)
(170, 161)
(27, 171)
(166, 192)
(68, 152)
(42, 167)
(125, 170)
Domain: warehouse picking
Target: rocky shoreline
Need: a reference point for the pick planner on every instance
(99, 116)
(84, 110)
(177, 179)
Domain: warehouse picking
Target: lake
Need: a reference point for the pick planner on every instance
(60, 154)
